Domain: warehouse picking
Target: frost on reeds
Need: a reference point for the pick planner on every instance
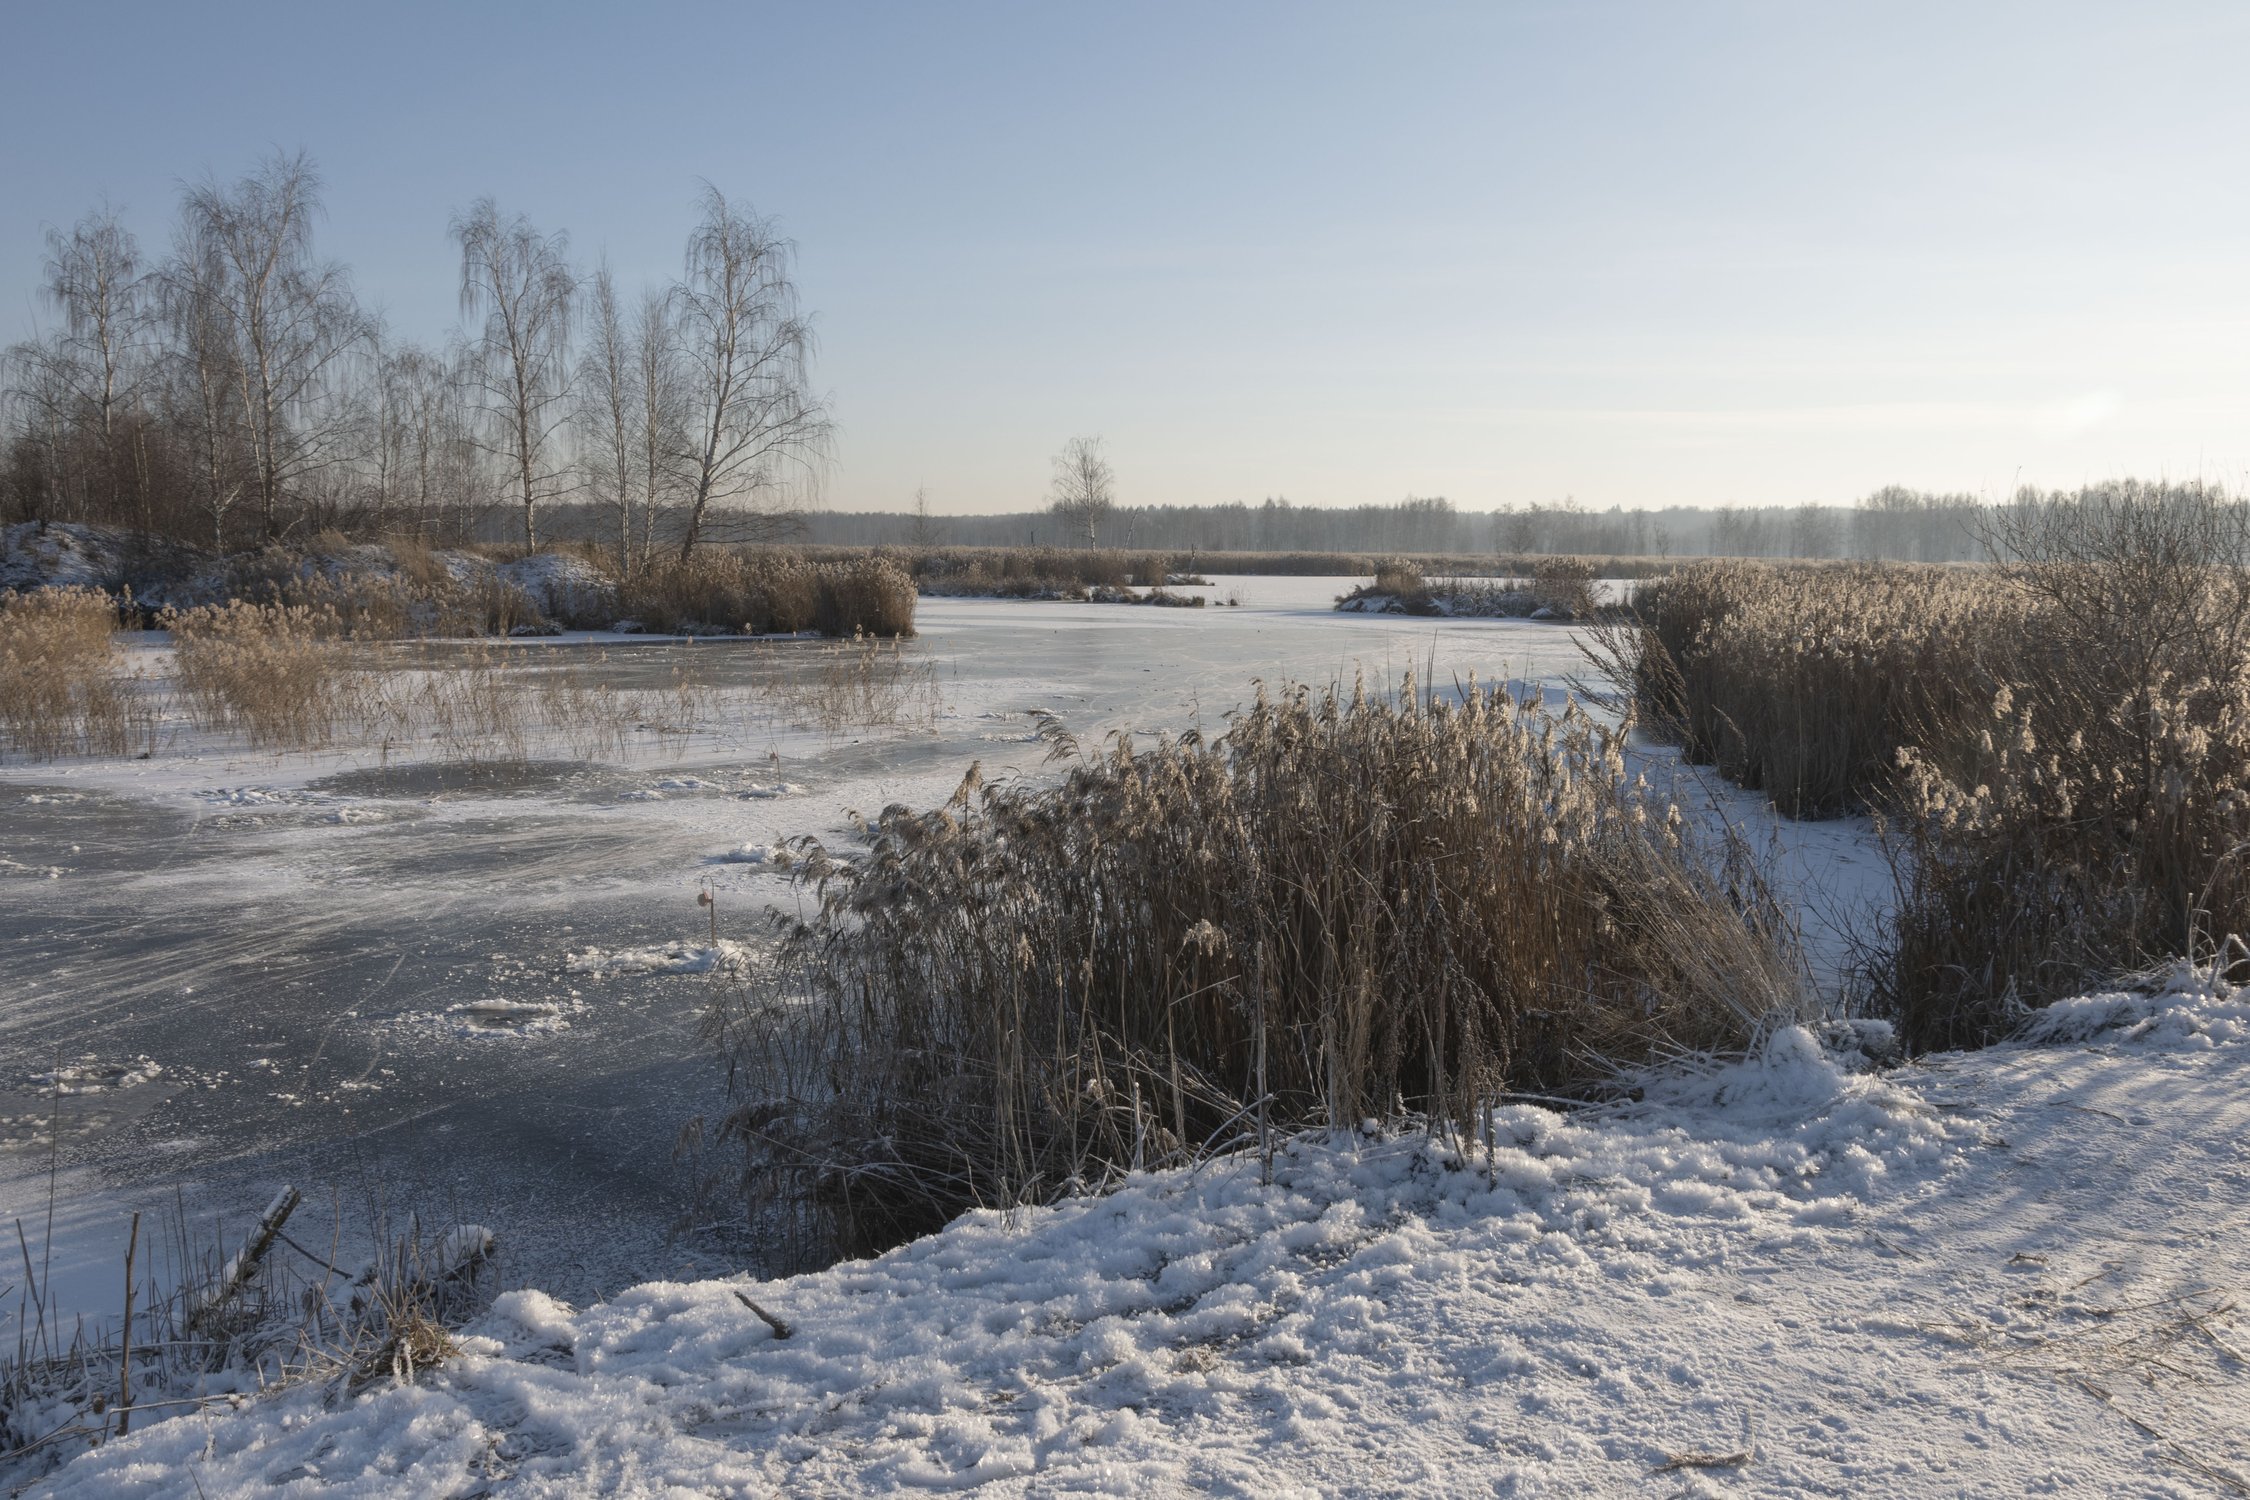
(63, 690)
(1346, 907)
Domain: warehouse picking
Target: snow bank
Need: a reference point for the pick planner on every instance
(2184, 1007)
(1683, 1294)
(563, 587)
(60, 555)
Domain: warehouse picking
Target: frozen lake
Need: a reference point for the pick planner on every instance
(357, 975)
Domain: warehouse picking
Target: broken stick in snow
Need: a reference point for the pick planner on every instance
(244, 1265)
(780, 1329)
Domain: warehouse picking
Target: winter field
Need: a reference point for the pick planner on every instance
(469, 989)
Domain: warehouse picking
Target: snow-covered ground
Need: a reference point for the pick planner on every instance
(2001, 1273)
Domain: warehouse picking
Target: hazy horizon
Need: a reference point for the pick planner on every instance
(1638, 255)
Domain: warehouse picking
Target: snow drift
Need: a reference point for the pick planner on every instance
(1994, 1272)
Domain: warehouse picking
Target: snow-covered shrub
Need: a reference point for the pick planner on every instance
(1345, 907)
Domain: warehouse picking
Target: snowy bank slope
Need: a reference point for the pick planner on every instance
(1999, 1273)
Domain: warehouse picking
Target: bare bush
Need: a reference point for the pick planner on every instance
(1344, 908)
(1564, 587)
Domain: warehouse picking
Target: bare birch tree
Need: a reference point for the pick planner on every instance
(203, 380)
(1085, 488)
(756, 425)
(289, 317)
(519, 281)
(94, 280)
(607, 393)
(662, 432)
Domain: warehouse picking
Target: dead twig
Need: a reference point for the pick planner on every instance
(780, 1329)
(1678, 1461)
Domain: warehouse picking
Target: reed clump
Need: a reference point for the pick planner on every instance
(759, 591)
(2057, 745)
(1345, 907)
(1804, 682)
(63, 689)
(2091, 816)
(278, 674)
(860, 684)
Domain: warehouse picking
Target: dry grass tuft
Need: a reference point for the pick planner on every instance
(1346, 907)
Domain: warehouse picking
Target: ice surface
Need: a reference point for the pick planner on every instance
(364, 923)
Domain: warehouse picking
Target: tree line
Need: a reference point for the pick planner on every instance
(1893, 523)
(234, 390)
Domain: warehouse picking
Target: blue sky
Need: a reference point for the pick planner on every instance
(1637, 254)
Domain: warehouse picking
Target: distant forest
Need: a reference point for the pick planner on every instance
(1895, 523)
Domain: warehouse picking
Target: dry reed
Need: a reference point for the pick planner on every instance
(767, 591)
(2060, 746)
(1345, 907)
(62, 688)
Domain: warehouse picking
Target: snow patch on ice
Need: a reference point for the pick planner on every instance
(772, 790)
(11, 869)
(771, 856)
(665, 958)
(89, 1075)
(494, 1018)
